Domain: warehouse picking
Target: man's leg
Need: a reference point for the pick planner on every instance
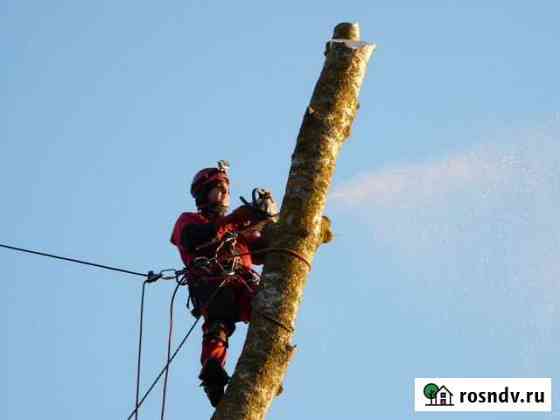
(213, 358)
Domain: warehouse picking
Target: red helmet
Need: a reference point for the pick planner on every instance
(209, 176)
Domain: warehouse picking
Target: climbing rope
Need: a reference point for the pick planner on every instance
(179, 347)
(44, 254)
(180, 282)
(288, 251)
(161, 373)
(140, 344)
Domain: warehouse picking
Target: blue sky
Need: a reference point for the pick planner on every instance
(444, 202)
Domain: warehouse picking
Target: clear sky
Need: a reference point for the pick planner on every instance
(445, 200)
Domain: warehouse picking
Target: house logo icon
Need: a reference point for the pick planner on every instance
(438, 395)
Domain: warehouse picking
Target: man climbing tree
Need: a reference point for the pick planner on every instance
(217, 251)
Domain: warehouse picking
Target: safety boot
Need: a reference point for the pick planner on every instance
(214, 378)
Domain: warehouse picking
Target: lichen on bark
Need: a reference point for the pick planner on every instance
(301, 228)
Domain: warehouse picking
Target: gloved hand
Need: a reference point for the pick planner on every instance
(264, 202)
(240, 217)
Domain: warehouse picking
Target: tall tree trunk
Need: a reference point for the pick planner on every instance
(301, 228)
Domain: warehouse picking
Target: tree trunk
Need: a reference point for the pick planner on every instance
(301, 228)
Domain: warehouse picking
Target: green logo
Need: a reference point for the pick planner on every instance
(438, 395)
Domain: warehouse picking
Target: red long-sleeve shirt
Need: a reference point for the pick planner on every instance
(194, 229)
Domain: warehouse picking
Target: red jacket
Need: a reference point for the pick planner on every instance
(194, 229)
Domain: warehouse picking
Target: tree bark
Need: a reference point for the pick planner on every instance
(301, 228)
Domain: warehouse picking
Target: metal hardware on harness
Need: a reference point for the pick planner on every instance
(255, 278)
(229, 239)
(228, 243)
(182, 278)
(152, 277)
